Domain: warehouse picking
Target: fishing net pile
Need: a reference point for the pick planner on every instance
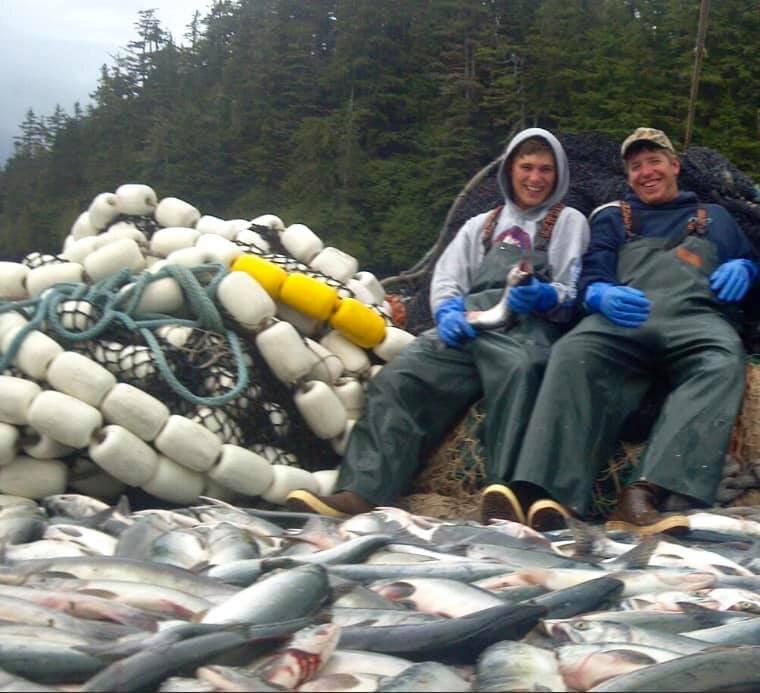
(180, 355)
(597, 176)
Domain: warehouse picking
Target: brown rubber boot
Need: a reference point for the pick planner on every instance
(638, 504)
(638, 510)
(341, 504)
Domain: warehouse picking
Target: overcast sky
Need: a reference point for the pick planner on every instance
(51, 50)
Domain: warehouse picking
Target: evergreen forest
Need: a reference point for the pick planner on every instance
(364, 118)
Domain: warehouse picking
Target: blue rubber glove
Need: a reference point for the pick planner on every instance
(731, 281)
(453, 328)
(623, 305)
(537, 296)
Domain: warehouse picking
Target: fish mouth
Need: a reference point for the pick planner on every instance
(558, 633)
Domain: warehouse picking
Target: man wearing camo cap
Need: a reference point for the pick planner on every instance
(661, 281)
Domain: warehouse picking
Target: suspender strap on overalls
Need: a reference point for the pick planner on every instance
(632, 222)
(544, 233)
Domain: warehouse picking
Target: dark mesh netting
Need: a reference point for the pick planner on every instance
(596, 177)
(264, 415)
(35, 260)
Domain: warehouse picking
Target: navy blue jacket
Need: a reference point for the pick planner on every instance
(669, 219)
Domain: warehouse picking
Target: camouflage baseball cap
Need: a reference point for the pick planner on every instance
(656, 137)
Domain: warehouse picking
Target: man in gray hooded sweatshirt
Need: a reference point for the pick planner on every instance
(417, 398)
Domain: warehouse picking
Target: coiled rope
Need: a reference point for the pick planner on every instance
(117, 298)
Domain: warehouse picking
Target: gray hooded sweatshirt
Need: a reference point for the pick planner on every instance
(464, 254)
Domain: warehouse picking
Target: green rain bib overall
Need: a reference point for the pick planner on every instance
(418, 397)
(599, 373)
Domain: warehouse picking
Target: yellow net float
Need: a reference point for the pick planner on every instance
(358, 323)
(309, 295)
(268, 274)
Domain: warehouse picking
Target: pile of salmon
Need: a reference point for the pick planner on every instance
(213, 597)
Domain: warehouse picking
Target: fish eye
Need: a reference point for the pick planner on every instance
(581, 625)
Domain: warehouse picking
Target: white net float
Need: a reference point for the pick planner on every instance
(221, 424)
(123, 455)
(320, 407)
(189, 257)
(165, 241)
(176, 335)
(303, 323)
(102, 210)
(335, 263)
(355, 359)
(271, 221)
(328, 367)
(113, 257)
(340, 443)
(13, 281)
(160, 296)
(171, 211)
(372, 284)
(357, 290)
(301, 242)
(351, 394)
(154, 264)
(9, 438)
(82, 227)
(287, 479)
(174, 483)
(136, 199)
(107, 354)
(64, 418)
(80, 377)
(76, 316)
(219, 248)
(242, 470)
(238, 225)
(188, 443)
(10, 322)
(80, 249)
(245, 300)
(119, 231)
(88, 478)
(135, 410)
(213, 490)
(326, 479)
(18, 395)
(138, 361)
(34, 354)
(253, 238)
(32, 478)
(42, 447)
(275, 455)
(216, 226)
(395, 341)
(285, 352)
(44, 277)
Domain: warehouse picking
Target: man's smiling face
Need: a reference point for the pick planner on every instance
(653, 175)
(533, 179)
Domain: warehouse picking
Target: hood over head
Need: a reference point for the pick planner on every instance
(563, 168)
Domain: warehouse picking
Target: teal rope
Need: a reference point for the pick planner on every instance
(116, 299)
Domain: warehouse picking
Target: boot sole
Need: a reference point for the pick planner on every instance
(500, 502)
(306, 502)
(550, 510)
(675, 524)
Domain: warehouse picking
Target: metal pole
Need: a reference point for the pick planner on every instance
(699, 52)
